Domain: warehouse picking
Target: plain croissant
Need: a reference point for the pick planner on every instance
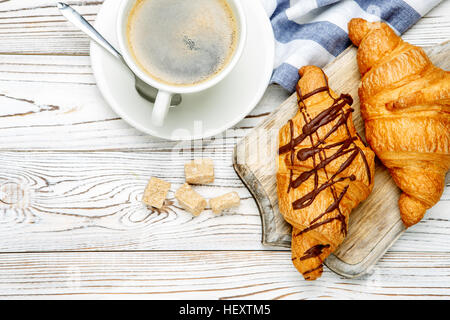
(324, 171)
(405, 103)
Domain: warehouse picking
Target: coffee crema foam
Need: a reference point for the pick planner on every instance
(182, 42)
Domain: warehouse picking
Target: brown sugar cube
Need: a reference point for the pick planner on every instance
(155, 193)
(224, 202)
(190, 200)
(199, 171)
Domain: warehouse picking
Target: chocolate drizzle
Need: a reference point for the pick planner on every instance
(312, 270)
(314, 251)
(319, 158)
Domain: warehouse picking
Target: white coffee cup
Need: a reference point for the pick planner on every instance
(166, 91)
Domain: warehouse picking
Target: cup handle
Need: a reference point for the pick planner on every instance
(161, 107)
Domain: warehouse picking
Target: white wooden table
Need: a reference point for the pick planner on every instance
(72, 175)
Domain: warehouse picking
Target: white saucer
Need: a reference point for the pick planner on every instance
(200, 115)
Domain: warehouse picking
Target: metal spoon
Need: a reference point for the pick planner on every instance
(145, 91)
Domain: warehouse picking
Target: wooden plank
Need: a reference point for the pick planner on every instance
(213, 275)
(375, 224)
(36, 27)
(52, 103)
(92, 201)
(432, 29)
(55, 201)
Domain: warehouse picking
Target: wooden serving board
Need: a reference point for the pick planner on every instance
(374, 225)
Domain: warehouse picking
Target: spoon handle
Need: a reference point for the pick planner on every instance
(76, 19)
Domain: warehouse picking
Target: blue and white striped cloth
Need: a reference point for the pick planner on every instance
(315, 31)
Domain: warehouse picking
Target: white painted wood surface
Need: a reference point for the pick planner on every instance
(72, 174)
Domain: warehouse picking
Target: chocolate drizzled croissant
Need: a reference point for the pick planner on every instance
(324, 171)
(405, 103)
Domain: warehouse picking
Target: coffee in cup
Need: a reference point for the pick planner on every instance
(182, 42)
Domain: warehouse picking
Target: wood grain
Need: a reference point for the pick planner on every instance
(56, 201)
(213, 275)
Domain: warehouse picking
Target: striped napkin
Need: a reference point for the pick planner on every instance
(315, 31)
